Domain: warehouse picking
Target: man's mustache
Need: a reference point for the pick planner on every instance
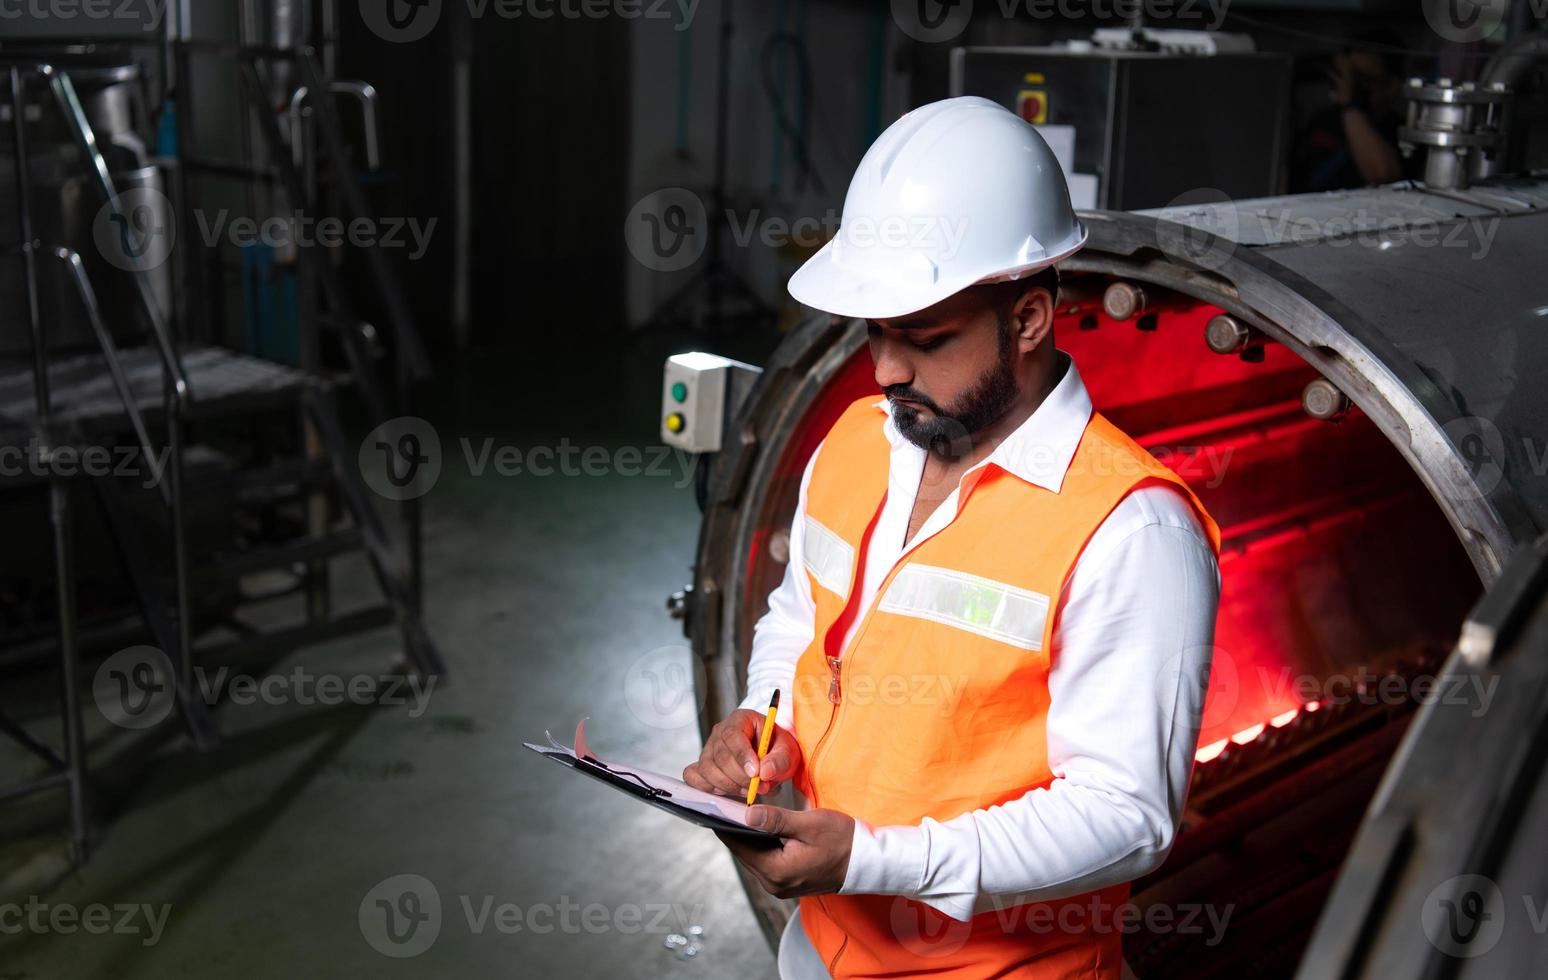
(905, 393)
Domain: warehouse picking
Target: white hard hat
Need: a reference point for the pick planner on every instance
(954, 193)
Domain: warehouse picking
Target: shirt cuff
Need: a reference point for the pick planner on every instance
(758, 700)
(888, 861)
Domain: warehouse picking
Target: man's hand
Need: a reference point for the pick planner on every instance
(1341, 78)
(730, 757)
(813, 858)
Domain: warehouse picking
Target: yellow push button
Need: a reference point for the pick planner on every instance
(675, 422)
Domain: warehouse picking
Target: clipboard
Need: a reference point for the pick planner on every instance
(662, 792)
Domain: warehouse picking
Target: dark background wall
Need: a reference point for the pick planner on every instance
(574, 119)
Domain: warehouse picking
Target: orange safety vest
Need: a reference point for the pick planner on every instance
(939, 705)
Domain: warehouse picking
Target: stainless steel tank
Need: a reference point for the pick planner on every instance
(1350, 382)
(65, 207)
(107, 90)
(67, 212)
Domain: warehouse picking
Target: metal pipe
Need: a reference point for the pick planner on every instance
(232, 49)
(191, 297)
(1514, 59)
(174, 477)
(329, 17)
(88, 297)
(462, 183)
(35, 786)
(64, 584)
(370, 112)
(28, 245)
(365, 94)
(26, 740)
(74, 775)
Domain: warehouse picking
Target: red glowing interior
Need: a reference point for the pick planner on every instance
(1323, 523)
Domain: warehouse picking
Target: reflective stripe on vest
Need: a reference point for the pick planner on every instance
(943, 690)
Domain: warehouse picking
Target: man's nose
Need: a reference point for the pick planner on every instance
(892, 368)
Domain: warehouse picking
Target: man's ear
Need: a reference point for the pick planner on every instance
(1032, 318)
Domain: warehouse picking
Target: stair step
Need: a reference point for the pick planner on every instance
(280, 481)
(281, 556)
(223, 382)
(260, 647)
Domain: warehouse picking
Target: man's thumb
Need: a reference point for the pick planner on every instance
(772, 819)
(776, 765)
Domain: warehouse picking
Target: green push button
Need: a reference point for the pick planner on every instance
(679, 392)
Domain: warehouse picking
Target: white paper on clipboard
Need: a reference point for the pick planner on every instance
(720, 812)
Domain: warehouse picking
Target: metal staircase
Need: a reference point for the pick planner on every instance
(258, 444)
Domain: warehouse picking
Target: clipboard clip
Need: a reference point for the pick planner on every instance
(582, 754)
(654, 791)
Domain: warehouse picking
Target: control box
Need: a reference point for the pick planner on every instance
(1145, 128)
(700, 394)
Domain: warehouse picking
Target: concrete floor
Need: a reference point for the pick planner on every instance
(546, 596)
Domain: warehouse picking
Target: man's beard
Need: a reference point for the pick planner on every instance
(950, 431)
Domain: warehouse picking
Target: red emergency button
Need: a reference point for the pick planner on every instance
(1032, 106)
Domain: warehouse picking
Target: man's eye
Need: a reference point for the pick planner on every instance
(931, 344)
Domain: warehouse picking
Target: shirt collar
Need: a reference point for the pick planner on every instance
(1039, 451)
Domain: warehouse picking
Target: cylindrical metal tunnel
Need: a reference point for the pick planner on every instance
(1336, 377)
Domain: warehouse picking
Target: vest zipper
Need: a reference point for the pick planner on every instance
(816, 751)
(836, 664)
(835, 690)
(836, 685)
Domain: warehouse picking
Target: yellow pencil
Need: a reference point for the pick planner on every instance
(763, 744)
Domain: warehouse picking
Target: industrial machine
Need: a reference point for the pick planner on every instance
(1348, 382)
(1147, 125)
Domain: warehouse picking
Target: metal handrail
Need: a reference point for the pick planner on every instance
(86, 140)
(88, 297)
(63, 90)
(370, 112)
(81, 280)
(253, 86)
(413, 357)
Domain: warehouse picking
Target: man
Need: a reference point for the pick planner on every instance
(1352, 141)
(996, 609)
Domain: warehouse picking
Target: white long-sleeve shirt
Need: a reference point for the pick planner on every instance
(1133, 631)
